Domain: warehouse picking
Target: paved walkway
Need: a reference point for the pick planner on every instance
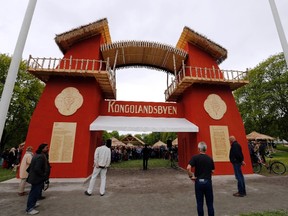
(156, 192)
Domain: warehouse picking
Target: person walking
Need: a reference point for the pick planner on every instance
(38, 174)
(203, 167)
(23, 174)
(237, 159)
(146, 154)
(102, 160)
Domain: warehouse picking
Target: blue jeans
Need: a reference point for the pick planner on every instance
(240, 178)
(34, 194)
(203, 187)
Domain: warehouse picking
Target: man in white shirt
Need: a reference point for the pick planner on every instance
(102, 160)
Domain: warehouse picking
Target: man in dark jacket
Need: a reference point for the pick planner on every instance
(237, 159)
(146, 154)
(38, 174)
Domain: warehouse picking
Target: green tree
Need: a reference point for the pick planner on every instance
(263, 103)
(108, 135)
(27, 91)
(154, 137)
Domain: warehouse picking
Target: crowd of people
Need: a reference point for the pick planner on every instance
(34, 168)
(124, 153)
(258, 150)
(10, 158)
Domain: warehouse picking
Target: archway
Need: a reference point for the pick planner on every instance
(81, 91)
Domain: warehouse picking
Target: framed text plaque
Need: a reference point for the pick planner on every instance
(62, 142)
(220, 143)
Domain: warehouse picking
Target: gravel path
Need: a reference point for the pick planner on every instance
(159, 192)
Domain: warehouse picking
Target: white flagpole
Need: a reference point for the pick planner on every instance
(279, 29)
(14, 65)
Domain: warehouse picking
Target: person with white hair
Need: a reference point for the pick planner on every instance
(200, 169)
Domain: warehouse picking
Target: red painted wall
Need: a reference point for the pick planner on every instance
(86, 49)
(199, 58)
(193, 102)
(193, 107)
(82, 51)
(45, 114)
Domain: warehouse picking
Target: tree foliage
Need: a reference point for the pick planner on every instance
(154, 137)
(263, 103)
(27, 91)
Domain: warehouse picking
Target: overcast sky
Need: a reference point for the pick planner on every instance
(245, 28)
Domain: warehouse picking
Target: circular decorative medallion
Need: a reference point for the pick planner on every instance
(68, 101)
(215, 106)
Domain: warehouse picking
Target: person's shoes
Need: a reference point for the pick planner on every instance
(41, 198)
(238, 195)
(32, 212)
(22, 193)
(37, 205)
(102, 194)
(86, 193)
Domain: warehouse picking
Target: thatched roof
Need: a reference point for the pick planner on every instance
(116, 142)
(189, 36)
(258, 136)
(175, 142)
(159, 144)
(141, 53)
(144, 54)
(132, 140)
(67, 39)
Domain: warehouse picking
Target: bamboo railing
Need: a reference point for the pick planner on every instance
(206, 75)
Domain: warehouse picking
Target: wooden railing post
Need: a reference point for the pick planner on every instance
(70, 63)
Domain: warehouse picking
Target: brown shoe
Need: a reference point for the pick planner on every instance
(22, 193)
(238, 195)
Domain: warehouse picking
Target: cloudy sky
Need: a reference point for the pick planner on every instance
(245, 28)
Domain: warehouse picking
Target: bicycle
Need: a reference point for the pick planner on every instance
(276, 167)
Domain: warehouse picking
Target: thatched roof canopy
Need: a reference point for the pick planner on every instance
(190, 36)
(258, 136)
(141, 53)
(132, 140)
(67, 39)
(159, 144)
(144, 54)
(175, 142)
(116, 142)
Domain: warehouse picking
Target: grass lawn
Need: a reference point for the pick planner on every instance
(280, 154)
(152, 163)
(267, 213)
(6, 174)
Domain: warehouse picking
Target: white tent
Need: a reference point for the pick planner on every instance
(122, 123)
(159, 144)
(175, 142)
